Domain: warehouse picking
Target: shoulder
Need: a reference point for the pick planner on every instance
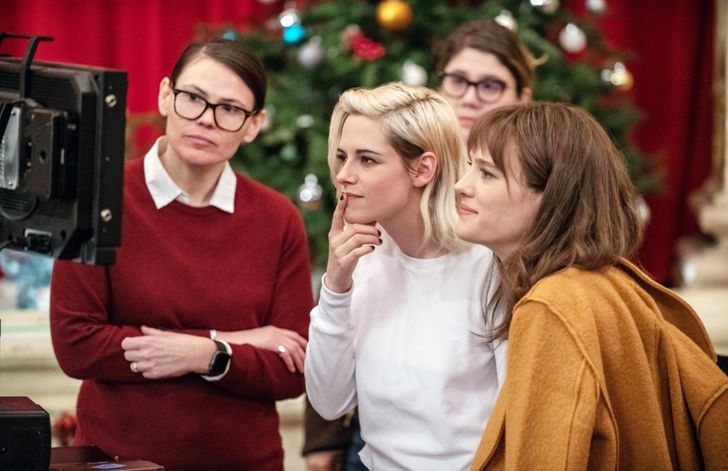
(576, 285)
(476, 256)
(262, 207)
(134, 182)
(134, 166)
(478, 252)
(576, 297)
(249, 190)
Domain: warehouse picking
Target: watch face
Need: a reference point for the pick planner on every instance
(219, 363)
(220, 360)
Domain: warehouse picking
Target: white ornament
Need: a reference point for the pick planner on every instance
(289, 17)
(505, 19)
(309, 194)
(311, 54)
(572, 38)
(606, 75)
(413, 74)
(304, 121)
(597, 6)
(643, 210)
(547, 6)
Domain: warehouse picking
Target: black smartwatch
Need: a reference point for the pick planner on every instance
(220, 360)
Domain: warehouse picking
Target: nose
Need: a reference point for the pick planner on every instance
(471, 95)
(344, 175)
(207, 117)
(462, 187)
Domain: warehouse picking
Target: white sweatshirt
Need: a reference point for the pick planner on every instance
(406, 344)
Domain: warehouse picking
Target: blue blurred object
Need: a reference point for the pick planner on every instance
(294, 34)
(30, 272)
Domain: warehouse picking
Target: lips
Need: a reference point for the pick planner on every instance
(199, 140)
(467, 122)
(466, 210)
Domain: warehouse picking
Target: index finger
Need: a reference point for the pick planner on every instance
(337, 220)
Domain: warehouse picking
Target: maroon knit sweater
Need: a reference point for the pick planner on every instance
(189, 270)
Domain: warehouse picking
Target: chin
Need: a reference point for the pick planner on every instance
(354, 218)
(202, 159)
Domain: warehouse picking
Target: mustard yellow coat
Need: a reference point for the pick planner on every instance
(607, 370)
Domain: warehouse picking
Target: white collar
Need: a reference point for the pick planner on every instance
(164, 190)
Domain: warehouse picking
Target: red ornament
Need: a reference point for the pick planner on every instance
(366, 48)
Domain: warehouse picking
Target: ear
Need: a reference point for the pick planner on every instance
(425, 169)
(253, 125)
(164, 100)
(526, 95)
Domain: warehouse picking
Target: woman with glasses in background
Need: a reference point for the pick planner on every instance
(483, 66)
(185, 343)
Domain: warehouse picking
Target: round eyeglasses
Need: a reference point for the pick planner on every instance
(227, 117)
(487, 90)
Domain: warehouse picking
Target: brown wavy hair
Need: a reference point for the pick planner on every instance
(588, 217)
(489, 37)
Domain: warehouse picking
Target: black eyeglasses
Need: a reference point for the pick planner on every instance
(487, 90)
(227, 117)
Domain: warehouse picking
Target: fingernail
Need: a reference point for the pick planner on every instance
(380, 241)
(341, 198)
(379, 233)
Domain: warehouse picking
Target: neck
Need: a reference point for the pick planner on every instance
(408, 233)
(197, 182)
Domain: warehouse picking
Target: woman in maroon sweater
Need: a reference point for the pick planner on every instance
(187, 341)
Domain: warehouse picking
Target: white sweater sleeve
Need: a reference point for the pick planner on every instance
(500, 353)
(329, 366)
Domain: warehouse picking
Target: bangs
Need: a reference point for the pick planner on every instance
(494, 133)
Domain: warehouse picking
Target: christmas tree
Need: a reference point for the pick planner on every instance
(315, 53)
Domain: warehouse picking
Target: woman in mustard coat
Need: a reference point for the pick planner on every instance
(606, 369)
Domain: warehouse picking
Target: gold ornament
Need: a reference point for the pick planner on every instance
(621, 77)
(394, 15)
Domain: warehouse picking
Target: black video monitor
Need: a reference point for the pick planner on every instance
(61, 157)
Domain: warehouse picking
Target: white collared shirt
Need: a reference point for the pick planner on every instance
(164, 190)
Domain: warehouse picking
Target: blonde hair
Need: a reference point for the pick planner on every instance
(417, 120)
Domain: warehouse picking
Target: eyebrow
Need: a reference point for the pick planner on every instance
(204, 94)
(359, 151)
(481, 79)
(486, 163)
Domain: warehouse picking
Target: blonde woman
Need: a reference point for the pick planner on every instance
(399, 329)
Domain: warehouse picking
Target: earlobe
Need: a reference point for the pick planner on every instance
(253, 126)
(164, 98)
(426, 168)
